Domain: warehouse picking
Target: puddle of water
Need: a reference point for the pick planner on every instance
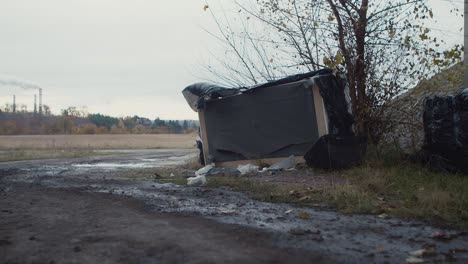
(115, 165)
(136, 164)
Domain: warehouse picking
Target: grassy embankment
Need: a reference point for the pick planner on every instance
(75, 146)
(384, 185)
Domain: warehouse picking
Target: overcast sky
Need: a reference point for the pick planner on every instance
(117, 57)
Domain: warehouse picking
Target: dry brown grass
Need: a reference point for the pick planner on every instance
(90, 142)
(385, 185)
(23, 154)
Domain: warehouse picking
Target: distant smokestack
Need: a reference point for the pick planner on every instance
(35, 104)
(40, 101)
(14, 103)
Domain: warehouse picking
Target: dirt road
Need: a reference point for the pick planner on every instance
(82, 211)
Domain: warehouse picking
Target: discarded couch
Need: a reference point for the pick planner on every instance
(446, 132)
(306, 115)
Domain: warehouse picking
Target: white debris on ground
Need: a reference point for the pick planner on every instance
(211, 170)
(248, 168)
(203, 171)
(196, 181)
(286, 164)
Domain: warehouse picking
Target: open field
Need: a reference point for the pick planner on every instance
(37, 154)
(92, 142)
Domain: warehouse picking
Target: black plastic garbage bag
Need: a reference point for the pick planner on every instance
(197, 93)
(446, 132)
(333, 152)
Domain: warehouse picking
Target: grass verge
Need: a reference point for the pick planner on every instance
(404, 190)
(385, 185)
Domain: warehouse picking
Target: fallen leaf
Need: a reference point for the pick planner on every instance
(304, 215)
(379, 249)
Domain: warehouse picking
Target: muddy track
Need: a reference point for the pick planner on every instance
(89, 190)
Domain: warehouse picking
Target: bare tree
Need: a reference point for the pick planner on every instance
(383, 47)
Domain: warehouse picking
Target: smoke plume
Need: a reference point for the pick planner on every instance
(19, 83)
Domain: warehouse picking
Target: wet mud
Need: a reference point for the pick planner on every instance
(332, 236)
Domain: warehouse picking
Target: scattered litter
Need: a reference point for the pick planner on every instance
(196, 181)
(248, 168)
(288, 163)
(383, 216)
(172, 175)
(423, 252)
(289, 211)
(414, 260)
(443, 236)
(294, 193)
(203, 171)
(417, 253)
(304, 198)
(227, 212)
(223, 172)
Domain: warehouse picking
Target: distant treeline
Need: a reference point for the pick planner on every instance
(72, 121)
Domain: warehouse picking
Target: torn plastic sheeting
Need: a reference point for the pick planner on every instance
(201, 158)
(290, 79)
(332, 152)
(446, 132)
(333, 92)
(266, 123)
(229, 172)
(288, 163)
(274, 119)
(197, 93)
(204, 171)
(196, 181)
(247, 168)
